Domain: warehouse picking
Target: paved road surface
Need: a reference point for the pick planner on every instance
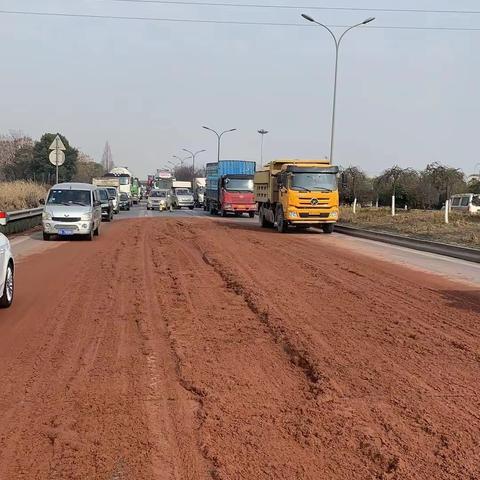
(188, 348)
(422, 261)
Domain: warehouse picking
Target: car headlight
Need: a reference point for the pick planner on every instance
(46, 216)
(162, 202)
(227, 205)
(86, 217)
(334, 214)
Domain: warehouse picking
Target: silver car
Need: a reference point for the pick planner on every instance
(72, 209)
(7, 271)
(183, 197)
(159, 200)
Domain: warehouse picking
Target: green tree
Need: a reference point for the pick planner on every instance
(443, 182)
(41, 166)
(474, 186)
(87, 170)
(355, 184)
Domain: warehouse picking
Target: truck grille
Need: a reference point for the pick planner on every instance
(66, 219)
(314, 216)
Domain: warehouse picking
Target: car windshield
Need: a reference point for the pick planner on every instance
(239, 184)
(103, 195)
(158, 194)
(182, 191)
(69, 197)
(123, 196)
(311, 182)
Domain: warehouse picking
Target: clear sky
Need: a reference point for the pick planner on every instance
(405, 96)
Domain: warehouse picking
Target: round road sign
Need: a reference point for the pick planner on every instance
(53, 158)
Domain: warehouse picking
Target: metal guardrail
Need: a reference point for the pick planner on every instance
(461, 253)
(7, 217)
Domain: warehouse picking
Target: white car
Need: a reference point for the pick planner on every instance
(7, 270)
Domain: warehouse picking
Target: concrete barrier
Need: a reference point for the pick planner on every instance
(20, 220)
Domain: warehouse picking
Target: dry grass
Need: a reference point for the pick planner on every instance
(20, 195)
(429, 225)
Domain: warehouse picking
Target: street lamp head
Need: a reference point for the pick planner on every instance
(231, 130)
(262, 131)
(308, 17)
(368, 20)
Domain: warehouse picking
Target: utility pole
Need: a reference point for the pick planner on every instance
(337, 48)
(262, 132)
(193, 155)
(219, 138)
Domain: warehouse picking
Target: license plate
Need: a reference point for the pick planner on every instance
(65, 232)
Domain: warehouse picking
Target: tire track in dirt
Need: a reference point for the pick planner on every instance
(194, 349)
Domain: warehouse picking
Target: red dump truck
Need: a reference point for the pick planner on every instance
(230, 188)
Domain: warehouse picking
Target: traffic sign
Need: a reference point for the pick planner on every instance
(57, 158)
(57, 144)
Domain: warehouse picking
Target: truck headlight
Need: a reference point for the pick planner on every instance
(334, 214)
(86, 217)
(292, 214)
(46, 216)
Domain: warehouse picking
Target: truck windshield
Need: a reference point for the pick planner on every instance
(112, 192)
(69, 197)
(314, 182)
(124, 180)
(239, 184)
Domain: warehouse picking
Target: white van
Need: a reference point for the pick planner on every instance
(465, 202)
(72, 209)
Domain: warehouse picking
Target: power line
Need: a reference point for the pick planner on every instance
(296, 7)
(225, 22)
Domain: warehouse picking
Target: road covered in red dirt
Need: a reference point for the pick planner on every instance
(189, 348)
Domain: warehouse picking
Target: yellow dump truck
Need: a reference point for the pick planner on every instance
(299, 193)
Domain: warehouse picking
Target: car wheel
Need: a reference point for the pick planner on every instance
(191, 208)
(223, 213)
(9, 288)
(90, 236)
(96, 232)
(251, 214)
(46, 236)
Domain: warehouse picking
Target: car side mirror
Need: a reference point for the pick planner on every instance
(41, 201)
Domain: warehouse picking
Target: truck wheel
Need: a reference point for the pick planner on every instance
(328, 227)
(223, 213)
(263, 221)
(251, 214)
(191, 208)
(212, 210)
(282, 224)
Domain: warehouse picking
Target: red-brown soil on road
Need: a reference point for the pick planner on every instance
(198, 349)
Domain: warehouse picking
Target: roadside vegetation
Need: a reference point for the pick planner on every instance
(462, 229)
(20, 195)
(26, 172)
(425, 189)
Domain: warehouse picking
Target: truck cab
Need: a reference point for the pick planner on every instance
(236, 195)
(230, 187)
(299, 193)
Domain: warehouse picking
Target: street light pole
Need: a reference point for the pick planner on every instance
(193, 155)
(219, 138)
(337, 48)
(262, 132)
